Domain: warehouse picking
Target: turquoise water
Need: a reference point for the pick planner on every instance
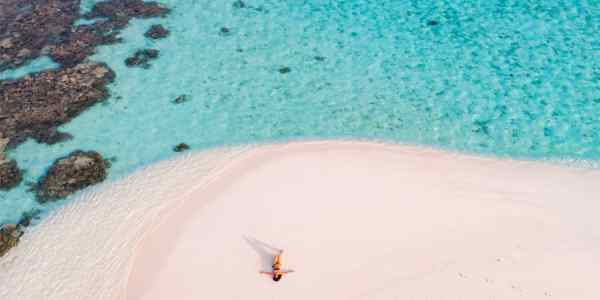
(36, 65)
(508, 78)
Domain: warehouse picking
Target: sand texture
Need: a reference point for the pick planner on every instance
(357, 221)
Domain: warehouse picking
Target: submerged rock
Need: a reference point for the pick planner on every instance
(10, 174)
(239, 4)
(9, 237)
(157, 31)
(33, 106)
(52, 136)
(285, 70)
(70, 174)
(224, 31)
(28, 216)
(141, 58)
(181, 99)
(181, 147)
(10, 234)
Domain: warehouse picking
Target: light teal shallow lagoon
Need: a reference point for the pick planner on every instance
(516, 79)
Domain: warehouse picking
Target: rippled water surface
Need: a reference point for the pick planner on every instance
(507, 78)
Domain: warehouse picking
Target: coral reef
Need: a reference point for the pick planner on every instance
(142, 58)
(70, 174)
(33, 106)
(9, 237)
(157, 31)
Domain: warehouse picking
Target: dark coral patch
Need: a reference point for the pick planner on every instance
(224, 31)
(28, 217)
(34, 106)
(29, 26)
(181, 147)
(239, 4)
(142, 58)
(157, 31)
(127, 9)
(81, 44)
(70, 174)
(10, 174)
(285, 70)
(51, 136)
(181, 99)
(9, 237)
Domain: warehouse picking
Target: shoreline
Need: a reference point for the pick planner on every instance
(208, 174)
(97, 204)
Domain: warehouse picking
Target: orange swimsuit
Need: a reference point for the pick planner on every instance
(277, 263)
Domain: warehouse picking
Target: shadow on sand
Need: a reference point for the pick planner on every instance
(265, 252)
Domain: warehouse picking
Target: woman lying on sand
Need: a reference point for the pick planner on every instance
(277, 273)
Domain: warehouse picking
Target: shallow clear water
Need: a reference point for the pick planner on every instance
(507, 78)
(36, 65)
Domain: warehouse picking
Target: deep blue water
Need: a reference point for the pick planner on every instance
(508, 78)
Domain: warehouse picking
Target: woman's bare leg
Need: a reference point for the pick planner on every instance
(277, 259)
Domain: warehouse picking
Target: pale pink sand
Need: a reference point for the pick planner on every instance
(358, 220)
(370, 221)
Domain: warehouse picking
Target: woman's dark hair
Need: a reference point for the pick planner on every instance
(277, 277)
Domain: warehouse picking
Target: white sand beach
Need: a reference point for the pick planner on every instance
(357, 220)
